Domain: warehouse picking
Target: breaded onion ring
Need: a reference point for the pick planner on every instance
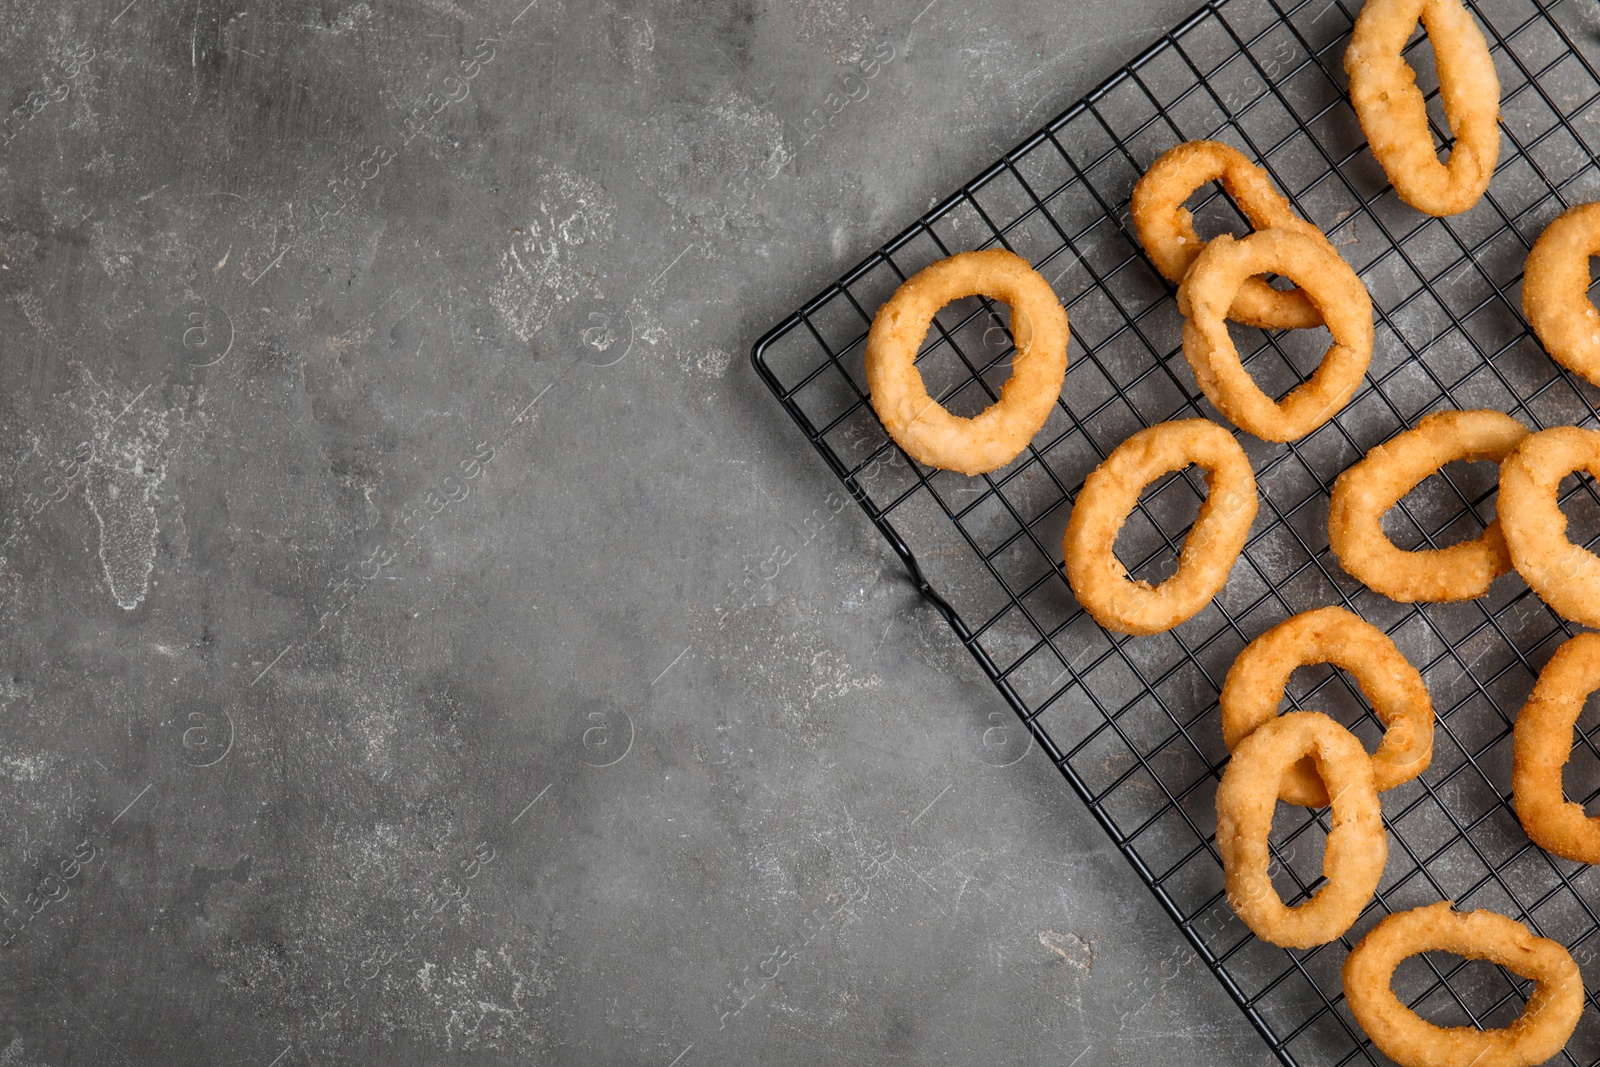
(1166, 228)
(1564, 575)
(1208, 291)
(1356, 847)
(996, 435)
(1260, 674)
(1541, 1031)
(1108, 497)
(1542, 746)
(1364, 492)
(1383, 90)
(1555, 290)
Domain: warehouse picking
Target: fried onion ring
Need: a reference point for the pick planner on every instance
(996, 435)
(1259, 675)
(1166, 228)
(1364, 492)
(1565, 576)
(1541, 1031)
(1208, 291)
(1213, 543)
(1356, 848)
(1383, 90)
(1555, 290)
(1542, 746)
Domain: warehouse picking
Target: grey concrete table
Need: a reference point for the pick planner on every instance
(382, 454)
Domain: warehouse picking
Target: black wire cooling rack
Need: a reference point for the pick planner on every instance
(1133, 722)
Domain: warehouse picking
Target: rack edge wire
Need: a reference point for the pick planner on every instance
(880, 520)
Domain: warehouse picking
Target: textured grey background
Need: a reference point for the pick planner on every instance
(382, 457)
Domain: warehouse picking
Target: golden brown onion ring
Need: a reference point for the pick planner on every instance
(1541, 1031)
(1166, 228)
(1356, 847)
(999, 433)
(1564, 575)
(1213, 543)
(1209, 290)
(1367, 490)
(1260, 673)
(1383, 90)
(1555, 290)
(1542, 746)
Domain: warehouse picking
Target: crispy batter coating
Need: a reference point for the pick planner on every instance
(1356, 848)
(1564, 575)
(996, 435)
(1541, 1031)
(1213, 543)
(1555, 290)
(1261, 671)
(1166, 228)
(1365, 491)
(1542, 746)
(1383, 90)
(1207, 293)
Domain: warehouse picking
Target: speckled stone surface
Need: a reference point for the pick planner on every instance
(381, 454)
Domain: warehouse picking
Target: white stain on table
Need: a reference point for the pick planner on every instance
(124, 475)
(1069, 946)
(14, 1055)
(543, 268)
(709, 162)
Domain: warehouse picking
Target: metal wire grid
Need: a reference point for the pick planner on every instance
(1133, 722)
